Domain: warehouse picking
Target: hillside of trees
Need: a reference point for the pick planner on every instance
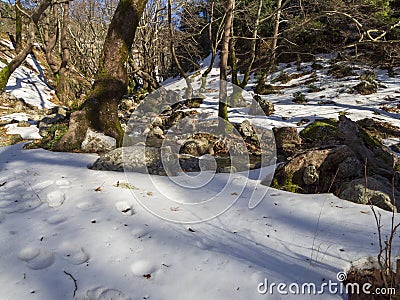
(262, 33)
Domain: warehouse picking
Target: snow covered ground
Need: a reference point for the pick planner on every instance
(54, 223)
(67, 231)
(29, 83)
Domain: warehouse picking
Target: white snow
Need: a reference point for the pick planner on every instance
(29, 84)
(29, 133)
(287, 238)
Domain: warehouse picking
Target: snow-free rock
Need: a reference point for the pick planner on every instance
(374, 190)
(134, 158)
(98, 142)
(261, 106)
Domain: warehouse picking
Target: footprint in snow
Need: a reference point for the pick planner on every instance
(63, 183)
(21, 204)
(56, 219)
(125, 208)
(36, 258)
(73, 253)
(102, 293)
(41, 185)
(87, 206)
(55, 198)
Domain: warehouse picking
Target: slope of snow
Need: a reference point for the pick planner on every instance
(29, 84)
(334, 98)
(56, 226)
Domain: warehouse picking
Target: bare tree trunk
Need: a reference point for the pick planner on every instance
(100, 110)
(65, 56)
(253, 47)
(18, 26)
(274, 45)
(276, 31)
(189, 89)
(6, 72)
(223, 106)
(51, 41)
(213, 47)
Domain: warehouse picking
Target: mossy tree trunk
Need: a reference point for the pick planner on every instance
(6, 72)
(223, 106)
(100, 110)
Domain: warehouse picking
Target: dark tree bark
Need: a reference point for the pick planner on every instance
(18, 26)
(223, 106)
(100, 110)
(6, 72)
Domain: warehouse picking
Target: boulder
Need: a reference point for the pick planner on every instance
(196, 147)
(321, 133)
(332, 158)
(261, 106)
(246, 130)
(287, 140)
(96, 142)
(131, 159)
(375, 190)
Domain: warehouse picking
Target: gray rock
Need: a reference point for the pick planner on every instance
(245, 129)
(132, 159)
(196, 147)
(96, 142)
(287, 140)
(261, 106)
(378, 192)
(310, 175)
(156, 132)
(349, 167)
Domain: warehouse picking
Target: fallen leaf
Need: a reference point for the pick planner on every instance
(149, 193)
(98, 189)
(234, 194)
(174, 208)
(191, 230)
(147, 276)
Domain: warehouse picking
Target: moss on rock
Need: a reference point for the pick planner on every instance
(321, 130)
